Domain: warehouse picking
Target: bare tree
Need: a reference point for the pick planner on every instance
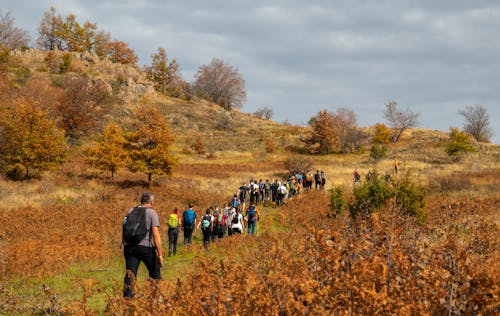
(11, 37)
(220, 83)
(477, 122)
(264, 113)
(398, 120)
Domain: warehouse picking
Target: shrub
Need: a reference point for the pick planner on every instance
(411, 197)
(337, 200)
(460, 142)
(370, 196)
(382, 134)
(270, 146)
(378, 152)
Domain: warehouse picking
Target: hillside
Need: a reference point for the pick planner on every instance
(60, 233)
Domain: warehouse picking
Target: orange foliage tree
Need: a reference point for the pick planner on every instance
(149, 143)
(164, 73)
(29, 140)
(324, 138)
(119, 52)
(382, 134)
(109, 152)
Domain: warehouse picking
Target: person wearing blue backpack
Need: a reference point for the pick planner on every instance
(252, 218)
(188, 224)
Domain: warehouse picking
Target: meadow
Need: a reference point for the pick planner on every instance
(60, 241)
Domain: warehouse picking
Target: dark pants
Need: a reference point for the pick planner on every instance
(133, 257)
(207, 235)
(251, 227)
(173, 234)
(188, 234)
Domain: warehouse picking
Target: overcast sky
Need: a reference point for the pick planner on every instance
(301, 56)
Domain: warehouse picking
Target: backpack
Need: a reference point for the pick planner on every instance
(205, 221)
(308, 177)
(267, 186)
(282, 189)
(235, 219)
(188, 217)
(173, 221)
(134, 226)
(252, 214)
(220, 218)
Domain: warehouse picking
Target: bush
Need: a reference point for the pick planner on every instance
(270, 146)
(337, 200)
(298, 164)
(378, 152)
(460, 143)
(370, 196)
(411, 197)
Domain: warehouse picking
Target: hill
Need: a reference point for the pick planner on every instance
(60, 234)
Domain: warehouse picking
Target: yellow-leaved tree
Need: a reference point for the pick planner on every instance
(149, 143)
(109, 153)
(30, 142)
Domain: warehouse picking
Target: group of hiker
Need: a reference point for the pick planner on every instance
(141, 236)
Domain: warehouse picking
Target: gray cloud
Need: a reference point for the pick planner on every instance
(299, 57)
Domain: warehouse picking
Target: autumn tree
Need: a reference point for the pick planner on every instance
(149, 143)
(109, 153)
(82, 106)
(164, 73)
(324, 138)
(346, 129)
(49, 31)
(221, 84)
(11, 37)
(477, 122)
(382, 134)
(398, 120)
(29, 140)
(119, 52)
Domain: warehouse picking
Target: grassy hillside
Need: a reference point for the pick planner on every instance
(60, 234)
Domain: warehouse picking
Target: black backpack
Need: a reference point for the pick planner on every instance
(134, 226)
(235, 219)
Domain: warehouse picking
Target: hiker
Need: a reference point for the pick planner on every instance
(261, 190)
(281, 194)
(356, 178)
(188, 224)
(252, 217)
(235, 202)
(369, 176)
(395, 164)
(274, 191)
(254, 193)
(243, 190)
(145, 246)
(173, 232)
(267, 190)
(308, 180)
(207, 224)
(317, 180)
(220, 223)
(323, 180)
(237, 224)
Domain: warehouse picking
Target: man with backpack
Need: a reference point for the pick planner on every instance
(220, 223)
(252, 218)
(173, 232)
(317, 180)
(207, 226)
(243, 190)
(236, 222)
(188, 224)
(141, 242)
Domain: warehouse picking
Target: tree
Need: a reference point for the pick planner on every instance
(460, 142)
(119, 52)
(11, 37)
(49, 30)
(82, 106)
(477, 122)
(264, 113)
(109, 152)
(164, 74)
(399, 121)
(324, 138)
(349, 136)
(221, 84)
(29, 140)
(149, 143)
(382, 134)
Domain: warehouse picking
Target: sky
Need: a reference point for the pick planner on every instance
(299, 57)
